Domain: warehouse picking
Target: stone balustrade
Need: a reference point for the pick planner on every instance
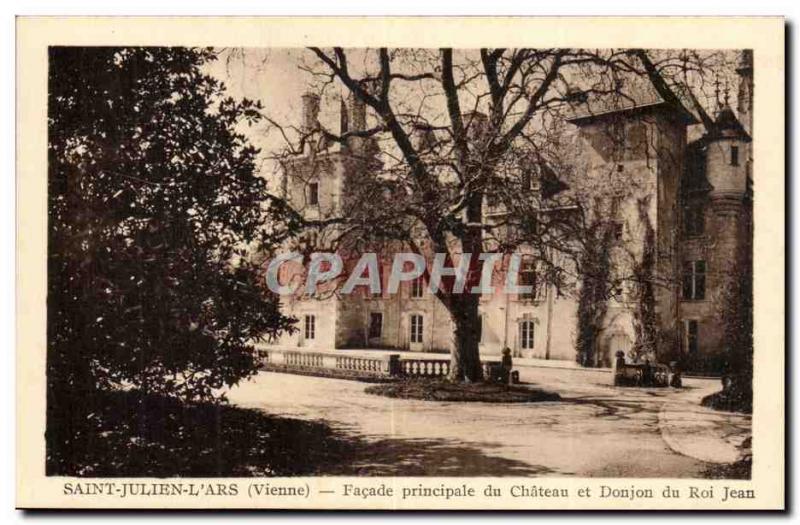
(329, 361)
(425, 367)
(341, 364)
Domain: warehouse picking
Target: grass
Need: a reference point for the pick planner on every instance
(127, 434)
(439, 390)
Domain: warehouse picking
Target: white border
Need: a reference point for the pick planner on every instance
(205, 7)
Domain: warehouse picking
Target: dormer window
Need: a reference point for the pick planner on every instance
(313, 193)
(617, 230)
(734, 155)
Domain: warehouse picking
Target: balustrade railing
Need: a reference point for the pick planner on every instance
(425, 367)
(338, 362)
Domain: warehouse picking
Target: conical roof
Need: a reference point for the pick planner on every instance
(727, 125)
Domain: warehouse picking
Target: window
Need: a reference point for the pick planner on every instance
(417, 286)
(617, 230)
(375, 325)
(313, 193)
(310, 327)
(690, 336)
(529, 224)
(416, 328)
(527, 277)
(527, 180)
(694, 280)
(694, 219)
(734, 155)
(526, 335)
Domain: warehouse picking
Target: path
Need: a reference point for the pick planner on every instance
(597, 430)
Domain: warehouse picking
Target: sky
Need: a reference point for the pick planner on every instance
(276, 78)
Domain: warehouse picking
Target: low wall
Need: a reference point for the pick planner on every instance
(325, 362)
(340, 364)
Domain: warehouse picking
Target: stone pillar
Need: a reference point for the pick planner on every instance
(392, 365)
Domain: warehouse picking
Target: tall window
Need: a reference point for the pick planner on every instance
(313, 193)
(694, 280)
(527, 277)
(526, 180)
(694, 219)
(690, 336)
(310, 327)
(417, 285)
(416, 328)
(375, 325)
(526, 334)
(734, 155)
(617, 230)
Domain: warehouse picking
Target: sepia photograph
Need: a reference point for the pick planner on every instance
(363, 263)
(526, 246)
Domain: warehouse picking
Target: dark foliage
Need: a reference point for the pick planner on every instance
(129, 434)
(437, 390)
(741, 469)
(736, 395)
(153, 198)
(594, 291)
(645, 322)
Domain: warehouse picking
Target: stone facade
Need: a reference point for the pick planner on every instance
(687, 205)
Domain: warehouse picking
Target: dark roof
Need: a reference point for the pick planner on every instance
(678, 112)
(727, 125)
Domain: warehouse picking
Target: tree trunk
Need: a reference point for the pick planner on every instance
(465, 362)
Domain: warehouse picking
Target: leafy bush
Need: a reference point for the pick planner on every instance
(153, 201)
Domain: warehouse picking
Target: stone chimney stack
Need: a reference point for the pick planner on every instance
(423, 138)
(475, 124)
(358, 113)
(310, 111)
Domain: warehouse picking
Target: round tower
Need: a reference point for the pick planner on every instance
(727, 162)
(727, 166)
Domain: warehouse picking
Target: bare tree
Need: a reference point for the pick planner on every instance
(468, 153)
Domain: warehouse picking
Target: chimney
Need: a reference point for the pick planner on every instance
(423, 137)
(358, 113)
(344, 117)
(310, 111)
(475, 124)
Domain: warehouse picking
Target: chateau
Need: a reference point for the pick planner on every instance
(688, 209)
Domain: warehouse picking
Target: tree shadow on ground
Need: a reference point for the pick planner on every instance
(617, 409)
(127, 434)
(434, 457)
